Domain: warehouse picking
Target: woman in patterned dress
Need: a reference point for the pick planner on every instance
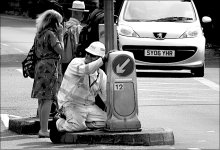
(48, 75)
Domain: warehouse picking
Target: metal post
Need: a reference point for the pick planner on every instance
(109, 24)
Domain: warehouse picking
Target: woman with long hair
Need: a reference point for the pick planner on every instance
(48, 75)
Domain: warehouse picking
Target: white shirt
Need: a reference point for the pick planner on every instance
(82, 82)
(76, 27)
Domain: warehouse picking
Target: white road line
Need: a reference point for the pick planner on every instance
(204, 81)
(20, 70)
(4, 44)
(17, 18)
(5, 119)
(17, 49)
(170, 89)
(13, 116)
(15, 136)
(211, 131)
(202, 141)
(162, 82)
(208, 83)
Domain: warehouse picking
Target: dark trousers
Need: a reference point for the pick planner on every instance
(64, 67)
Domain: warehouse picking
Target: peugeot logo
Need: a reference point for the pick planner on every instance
(159, 35)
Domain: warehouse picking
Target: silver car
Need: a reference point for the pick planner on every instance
(163, 34)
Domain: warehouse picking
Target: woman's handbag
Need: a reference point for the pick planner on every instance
(28, 65)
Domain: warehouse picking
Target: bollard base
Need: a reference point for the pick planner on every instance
(117, 125)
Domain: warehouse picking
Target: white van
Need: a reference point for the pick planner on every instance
(163, 34)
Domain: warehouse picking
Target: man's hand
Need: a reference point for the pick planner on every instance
(105, 58)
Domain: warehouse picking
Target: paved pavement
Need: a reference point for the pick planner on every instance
(145, 137)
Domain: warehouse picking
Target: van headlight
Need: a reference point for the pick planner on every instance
(192, 33)
(125, 30)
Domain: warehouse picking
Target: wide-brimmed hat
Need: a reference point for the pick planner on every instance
(78, 6)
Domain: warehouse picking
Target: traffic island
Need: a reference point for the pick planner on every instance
(29, 125)
(145, 137)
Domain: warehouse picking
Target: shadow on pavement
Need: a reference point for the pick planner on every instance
(212, 57)
(39, 143)
(22, 22)
(164, 74)
(50, 145)
(12, 60)
(7, 135)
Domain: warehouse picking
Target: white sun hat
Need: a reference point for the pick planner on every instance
(96, 48)
(78, 6)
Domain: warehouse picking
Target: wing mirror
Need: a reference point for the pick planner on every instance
(206, 19)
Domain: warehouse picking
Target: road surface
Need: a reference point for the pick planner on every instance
(176, 100)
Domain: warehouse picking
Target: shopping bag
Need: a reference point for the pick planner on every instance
(28, 65)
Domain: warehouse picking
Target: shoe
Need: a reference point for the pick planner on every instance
(42, 134)
(55, 135)
(95, 125)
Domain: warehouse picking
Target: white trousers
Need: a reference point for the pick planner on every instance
(77, 115)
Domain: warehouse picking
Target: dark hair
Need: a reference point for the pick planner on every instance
(101, 3)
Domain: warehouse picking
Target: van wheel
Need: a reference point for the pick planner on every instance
(198, 72)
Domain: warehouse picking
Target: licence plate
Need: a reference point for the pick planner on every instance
(160, 53)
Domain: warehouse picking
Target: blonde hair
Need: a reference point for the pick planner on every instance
(48, 19)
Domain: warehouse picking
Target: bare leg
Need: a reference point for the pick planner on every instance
(39, 108)
(44, 111)
(44, 114)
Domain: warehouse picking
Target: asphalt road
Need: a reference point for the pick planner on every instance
(176, 100)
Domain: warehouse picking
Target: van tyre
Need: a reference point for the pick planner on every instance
(198, 72)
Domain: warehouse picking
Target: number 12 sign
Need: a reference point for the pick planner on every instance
(118, 86)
